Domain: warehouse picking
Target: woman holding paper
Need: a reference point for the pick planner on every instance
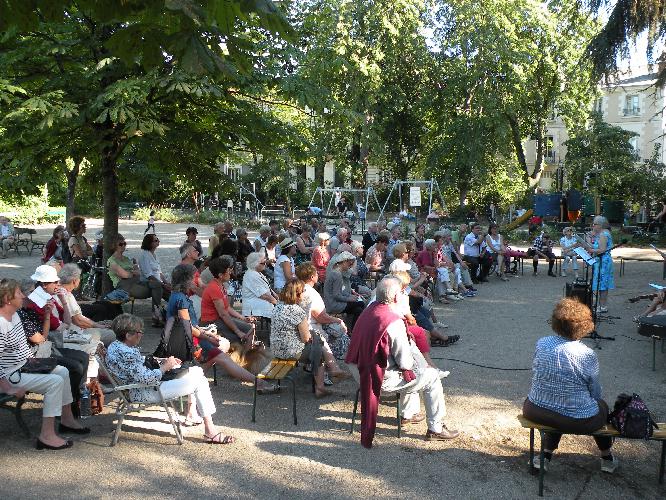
(601, 242)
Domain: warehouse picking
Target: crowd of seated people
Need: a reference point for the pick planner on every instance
(307, 281)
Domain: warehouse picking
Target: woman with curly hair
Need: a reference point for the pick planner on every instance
(566, 393)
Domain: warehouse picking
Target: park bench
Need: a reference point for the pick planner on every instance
(278, 370)
(5, 400)
(643, 259)
(607, 430)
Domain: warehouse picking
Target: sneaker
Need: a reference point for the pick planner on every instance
(451, 340)
(327, 380)
(469, 287)
(454, 297)
(419, 417)
(444, 374)
(603, 309)
(563, 274)
(469, 293)
(536, 463)
(609, 466)
(535, 273)
(446, 434)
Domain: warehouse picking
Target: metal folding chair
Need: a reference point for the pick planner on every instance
(126, 405)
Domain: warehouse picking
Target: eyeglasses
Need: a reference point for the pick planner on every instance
(262, 263)
(138, 332)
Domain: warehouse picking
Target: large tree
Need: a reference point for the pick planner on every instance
(99, 76)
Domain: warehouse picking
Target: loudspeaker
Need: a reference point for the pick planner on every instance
(579, 291)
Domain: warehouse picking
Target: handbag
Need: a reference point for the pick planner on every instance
(631, 417)
(152, 363)
(44, 349)
(34, 365)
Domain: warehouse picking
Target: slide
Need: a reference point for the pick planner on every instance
(518, 222)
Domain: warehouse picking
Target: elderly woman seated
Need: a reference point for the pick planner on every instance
(56, 311)
(70, 279)
(152, 275)
(214, 348)
(291, 337)
(37, 332)
(339, 296)
(127, 364)
(55, 386)
(332, 329)
(565, 392)
(258, 298)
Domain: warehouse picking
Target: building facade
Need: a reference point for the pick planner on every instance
(634, 103)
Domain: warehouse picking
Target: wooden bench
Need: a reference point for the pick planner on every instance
(5, 399)
(607, 430)
(641, 259)
(278, 370)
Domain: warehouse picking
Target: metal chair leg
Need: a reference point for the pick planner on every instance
(654, 349)
(120, 414)
(399, 412)
(530, 464)
(293, 393)
(541, 465)
(254, 400)
(19, 417)
(176, 427)
(351, 430)
(215, 375)
(661, 463)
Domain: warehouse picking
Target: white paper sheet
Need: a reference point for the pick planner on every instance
(582, 253)
(39, 296)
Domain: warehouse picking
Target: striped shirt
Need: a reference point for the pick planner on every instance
(565, 377)
(14, 348)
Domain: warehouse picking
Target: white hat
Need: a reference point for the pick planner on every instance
(45, 274)
(287, 243)
(398, 265)
(341, 257)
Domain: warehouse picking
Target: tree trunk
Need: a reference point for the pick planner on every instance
(72, 177)
(111, 211)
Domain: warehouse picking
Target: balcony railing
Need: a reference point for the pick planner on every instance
(632, 111)
(549, 156)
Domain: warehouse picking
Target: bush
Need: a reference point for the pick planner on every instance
(33, 211)
(161, 214)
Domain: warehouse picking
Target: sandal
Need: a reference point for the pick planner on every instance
(437, 342)
(268, 389)
(451, 340)
(191, 422)
(218, 439)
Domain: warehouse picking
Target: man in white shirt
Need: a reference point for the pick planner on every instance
(472, 247)
(6, 235)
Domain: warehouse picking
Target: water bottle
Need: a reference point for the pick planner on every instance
(85, 403)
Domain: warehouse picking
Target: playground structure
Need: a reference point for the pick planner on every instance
(431, 184)
(368, 192)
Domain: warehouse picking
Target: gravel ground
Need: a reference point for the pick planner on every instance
(275, 459)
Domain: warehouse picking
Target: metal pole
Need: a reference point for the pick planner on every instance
(432, 186)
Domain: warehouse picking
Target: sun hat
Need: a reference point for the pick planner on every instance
(45, 274)
(398, 265)
(287, 243)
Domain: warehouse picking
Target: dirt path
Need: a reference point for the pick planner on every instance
(275, 459)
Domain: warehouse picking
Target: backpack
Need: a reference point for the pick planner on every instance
(632, 418)
(66, 254)
(177, 341)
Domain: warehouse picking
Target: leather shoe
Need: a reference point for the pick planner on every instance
(414, 420)
(445, 435)
(43, 446)
(63, 429)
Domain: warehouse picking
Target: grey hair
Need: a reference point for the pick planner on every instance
(124, 324)
(27, 286)
(264, 229)
(253, 259)
(372, 224)
(388, 289)
(429, 243)
(601, 220)
(240, 232)
(185, 248)
(217, 226)
(181, 276)
(323, 236)
(445, 232)
(355, 245)
(69, 273)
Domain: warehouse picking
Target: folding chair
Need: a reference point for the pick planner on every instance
(126, 405)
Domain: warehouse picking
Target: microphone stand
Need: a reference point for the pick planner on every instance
(595, 310)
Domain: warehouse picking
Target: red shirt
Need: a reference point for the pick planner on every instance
(55, 320)
(212, 292)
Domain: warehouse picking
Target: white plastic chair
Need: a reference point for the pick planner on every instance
(126, 405)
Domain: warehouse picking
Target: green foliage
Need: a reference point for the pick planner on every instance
(32, 210)
(602, 154)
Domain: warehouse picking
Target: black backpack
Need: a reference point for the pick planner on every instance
(176, 341)
(631, 417)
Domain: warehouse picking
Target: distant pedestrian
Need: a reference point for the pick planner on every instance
(151, 222)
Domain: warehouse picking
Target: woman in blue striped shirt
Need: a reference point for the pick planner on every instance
(565, 392)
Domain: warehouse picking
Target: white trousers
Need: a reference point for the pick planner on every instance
(430, 385)
(54, 386)
(194, 383)
(570, 258)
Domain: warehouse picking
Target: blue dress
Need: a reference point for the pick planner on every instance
(607, 282)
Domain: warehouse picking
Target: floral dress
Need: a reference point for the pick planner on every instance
(607, 281)
(286, 340)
